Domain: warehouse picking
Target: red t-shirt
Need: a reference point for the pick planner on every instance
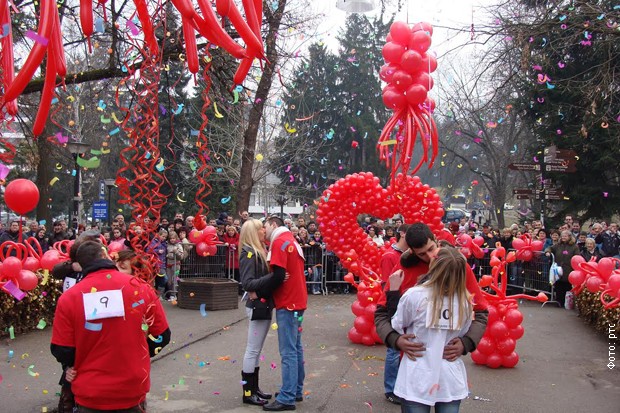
(413, 274)
(292, 294)
(111, 355)
(389, 260)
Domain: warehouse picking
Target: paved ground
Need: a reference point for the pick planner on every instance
(562, 367)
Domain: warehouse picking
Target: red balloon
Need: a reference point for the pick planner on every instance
(425, 26)
(196, 237)
(11, 267)
(369, 311)
(402, 80)
(424, 79)
(368, 340)
(510, 360)
(494, 361)
(420, 41)
(593, 283)
(605, 267)
(412, 62)
(498, 330)
(204, 250)
(392, 52)
(387, 71)
(27, 280)
(21, 195)
(506, 346)
(357, 309)
(400, 32)
(518, 243)
(576, 277)
(363, 325)
(355, 336)
(50, 259)
(513, 318)
(393, 98)
(486, 346)
(575, 261)
(31, 264)
(517, 332)
(429, 63)
(478, 357)
(416, 94)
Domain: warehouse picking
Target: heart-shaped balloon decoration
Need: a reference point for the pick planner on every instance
(361, 193)
(338, 212)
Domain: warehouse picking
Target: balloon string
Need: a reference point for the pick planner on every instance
(204, 169)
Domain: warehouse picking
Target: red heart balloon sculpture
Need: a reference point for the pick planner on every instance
(340, 206)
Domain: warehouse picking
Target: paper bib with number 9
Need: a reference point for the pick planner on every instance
(103, 304)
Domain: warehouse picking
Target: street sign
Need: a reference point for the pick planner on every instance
(567, 167)
(554, 191)
(524, 166)
(525, 196)
(100, 210)
(554, 197)
(523, 191)
(101, 190)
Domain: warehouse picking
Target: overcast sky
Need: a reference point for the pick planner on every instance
(442, 14)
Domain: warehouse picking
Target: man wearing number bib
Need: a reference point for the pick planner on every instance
(106, 327)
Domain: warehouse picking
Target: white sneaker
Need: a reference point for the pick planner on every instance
(316, 292)
(172, 298)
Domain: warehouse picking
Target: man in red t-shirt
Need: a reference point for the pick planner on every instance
(423, 249)
(101, 327)
(291, 298)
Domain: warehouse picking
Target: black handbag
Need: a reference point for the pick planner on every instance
(261, 310)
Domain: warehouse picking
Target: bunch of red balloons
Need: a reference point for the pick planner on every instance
(469, 246)
(526, 247)
(364, 330)
(497, 346)
(601, 276)
(361, 193)
(407, 74)
(206, 240)
(408, 66)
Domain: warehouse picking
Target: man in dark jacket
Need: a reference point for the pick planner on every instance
(11, 234)
(415, 262)
(609, 240)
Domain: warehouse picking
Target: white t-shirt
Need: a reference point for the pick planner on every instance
(429, 379)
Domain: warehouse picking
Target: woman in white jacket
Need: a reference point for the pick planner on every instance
(435, 311)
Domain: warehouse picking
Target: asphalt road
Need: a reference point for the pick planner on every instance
(563, 366)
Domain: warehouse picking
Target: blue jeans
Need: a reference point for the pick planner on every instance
(316, 280)
(291, 354)
(392, 362)
(415, 407)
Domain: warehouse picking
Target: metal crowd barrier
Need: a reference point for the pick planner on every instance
(195, 266)
(523, 276)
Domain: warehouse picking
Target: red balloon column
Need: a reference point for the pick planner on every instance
(497, 346)
(339, 208)
(601, 276)
(407, 73)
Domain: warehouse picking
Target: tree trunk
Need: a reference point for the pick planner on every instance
(43, 178)
(246, 180)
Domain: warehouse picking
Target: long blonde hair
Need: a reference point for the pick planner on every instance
(249, 238)
(448, 279)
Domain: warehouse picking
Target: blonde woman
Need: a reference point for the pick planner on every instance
(259, 285)
(435, 311)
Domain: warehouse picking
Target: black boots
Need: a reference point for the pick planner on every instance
(250, 388)
(260, 393)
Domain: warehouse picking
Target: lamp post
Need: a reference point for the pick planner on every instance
(109, 183)
(281, 200)
(77, 149)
